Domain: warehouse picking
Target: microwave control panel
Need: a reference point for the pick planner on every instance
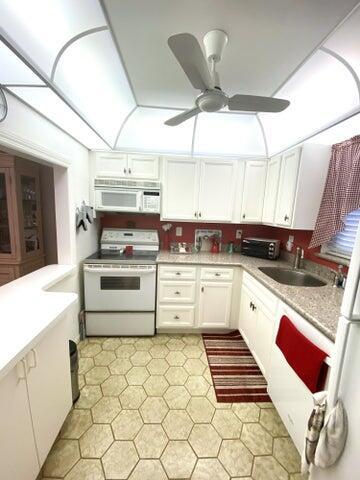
(151, 202)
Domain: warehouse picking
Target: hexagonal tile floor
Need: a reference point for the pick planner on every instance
(147, 410)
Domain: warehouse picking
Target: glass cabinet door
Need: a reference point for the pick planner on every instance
(5, 234)
(31, 215)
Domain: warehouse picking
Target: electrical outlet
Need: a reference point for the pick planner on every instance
(238, 234)
(178, 231)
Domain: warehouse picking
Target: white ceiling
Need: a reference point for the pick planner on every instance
(267, 41)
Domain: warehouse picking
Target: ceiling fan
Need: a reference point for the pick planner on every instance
(204, 77)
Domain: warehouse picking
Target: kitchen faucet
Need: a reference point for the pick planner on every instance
(299, 255)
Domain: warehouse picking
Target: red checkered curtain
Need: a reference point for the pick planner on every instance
(342, 191)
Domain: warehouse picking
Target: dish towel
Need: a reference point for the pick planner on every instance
(326, 435)
(305, 358)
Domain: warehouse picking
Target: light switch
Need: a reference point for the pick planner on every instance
(178, 231)
(238, 234)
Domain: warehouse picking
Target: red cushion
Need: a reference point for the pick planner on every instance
(305, 358)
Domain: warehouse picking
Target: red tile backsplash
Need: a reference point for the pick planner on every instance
(301, 237)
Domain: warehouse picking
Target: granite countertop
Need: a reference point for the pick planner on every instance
(319, 305)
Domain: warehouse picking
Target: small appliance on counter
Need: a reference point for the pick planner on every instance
(261, 247)
(120, 283)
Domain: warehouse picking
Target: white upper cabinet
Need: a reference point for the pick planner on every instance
(119, 165)
(180, 188)
(143, 166)
(287, 187)
(217, 190)
(110, 164)
(271, 189)
(198, 189)
(253, 191)
(301, 184)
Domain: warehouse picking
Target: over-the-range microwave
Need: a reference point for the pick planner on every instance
(112, 195)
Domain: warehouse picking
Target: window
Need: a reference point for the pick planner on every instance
(342, 243)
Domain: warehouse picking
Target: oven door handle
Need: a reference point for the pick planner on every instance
(122, 271)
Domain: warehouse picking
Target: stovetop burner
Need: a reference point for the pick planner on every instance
(137, 258)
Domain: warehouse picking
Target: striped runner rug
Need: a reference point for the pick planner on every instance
(236, 376)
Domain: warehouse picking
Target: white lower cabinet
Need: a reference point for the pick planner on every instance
(49, 387)
(194, 297)
(18, 457)
(257, 315)
(214, 304)
(35, 398)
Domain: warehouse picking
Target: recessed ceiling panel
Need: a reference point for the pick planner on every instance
(322, 91)
(42, 27)
(49, 104)
(267, 41)
(145, 131)
(228, 134)
(14, 71)
(346, 41)
(91, 76)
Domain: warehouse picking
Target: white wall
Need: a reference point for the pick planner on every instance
(31, 135)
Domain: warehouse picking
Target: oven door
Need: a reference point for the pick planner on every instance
(119, 288)
(118, 200)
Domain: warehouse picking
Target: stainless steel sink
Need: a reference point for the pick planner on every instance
(287, 276)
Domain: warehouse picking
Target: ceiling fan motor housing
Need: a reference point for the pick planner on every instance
(215, 41)
(211, 100)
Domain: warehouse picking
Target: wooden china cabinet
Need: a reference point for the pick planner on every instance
(21, 238)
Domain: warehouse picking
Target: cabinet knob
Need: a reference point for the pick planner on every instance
(130, 171)
(124, 170)
(195, 214)
(243, 216)
(217, 274)
(199, 214)
(286, 218)
(177, 293)
(176, 317)
(177, 273)
(202, 289)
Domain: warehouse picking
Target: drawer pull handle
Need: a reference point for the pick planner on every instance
(217, 274)
(176, 317)
(177, 293)
(177, 273)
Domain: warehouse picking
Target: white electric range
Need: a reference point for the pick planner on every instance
(120, 289)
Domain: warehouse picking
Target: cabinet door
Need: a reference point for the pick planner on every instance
(143, 166)
(247, 317)
(217, 190)
(7, 218)
(180, 189)
(287, 187)
(110, 165)
(253, 193)
(263, 338)
(49, 386)
(18, 459)
(29, 203)
(271, 189)
(214, 304)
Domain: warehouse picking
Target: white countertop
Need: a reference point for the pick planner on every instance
(28, 310)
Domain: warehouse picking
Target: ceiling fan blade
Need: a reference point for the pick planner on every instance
(172, 122)
(254, 103)
(188, 53)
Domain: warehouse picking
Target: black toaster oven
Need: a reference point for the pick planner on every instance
(261, 247)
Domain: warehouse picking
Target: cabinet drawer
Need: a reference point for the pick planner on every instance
(261, 293)
(177, 292)
(177, 272)
(211, 273)
(178, 316)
